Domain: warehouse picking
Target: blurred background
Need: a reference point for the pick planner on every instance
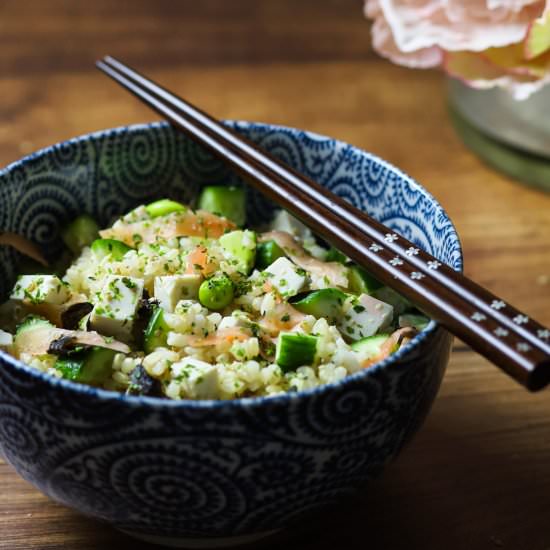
(477, 475)
(306, 63)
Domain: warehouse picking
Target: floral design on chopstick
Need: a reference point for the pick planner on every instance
(477, 316)
(412, 251)
(391, 237)
(417, 275)
(434, 265)
(497, 304)
(543, 334)
(520, 319)
(522, 346)
(500, 332)
(396, 261)
(375, 247)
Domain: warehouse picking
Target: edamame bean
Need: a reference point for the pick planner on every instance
(163, 207)
(216, 293)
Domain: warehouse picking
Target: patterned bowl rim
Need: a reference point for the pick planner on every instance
(138, 401)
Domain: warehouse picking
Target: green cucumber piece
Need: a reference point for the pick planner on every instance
(295, 350)
(241, 246)
(156, 332)
(104, 247)
(81, 232)
(334, 255)
(325, 303)
(370, 347)
(266, 253)
(31, 322)
(228, 202)
(419, 322)
(217, 292)
(362, 282)
(163, 207)
(92, 366)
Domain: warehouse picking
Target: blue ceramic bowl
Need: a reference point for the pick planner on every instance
(208, 472)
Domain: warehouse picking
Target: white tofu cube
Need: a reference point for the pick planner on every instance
(40, 289)
(170, 289)
(283, 221)
(364, 316)
(286, 277)
(115, 307)
(6, 339)
(198, 379)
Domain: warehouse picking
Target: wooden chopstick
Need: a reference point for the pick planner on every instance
(507, 337)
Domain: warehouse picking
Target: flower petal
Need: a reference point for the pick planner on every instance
(537, 40)
(478, 71)
(454, 25)
(384, 43)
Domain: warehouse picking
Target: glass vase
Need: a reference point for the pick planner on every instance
(513, 136)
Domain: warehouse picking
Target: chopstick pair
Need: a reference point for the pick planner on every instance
(510, 339)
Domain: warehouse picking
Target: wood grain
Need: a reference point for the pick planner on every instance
(477, 476)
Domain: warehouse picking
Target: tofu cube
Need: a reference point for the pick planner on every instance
(286, 277)
(170, 289)
(283, 221)
(40, 289)
(364, 316)
(199, 379)
(115, 307)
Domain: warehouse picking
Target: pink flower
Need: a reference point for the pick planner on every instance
(484, 42)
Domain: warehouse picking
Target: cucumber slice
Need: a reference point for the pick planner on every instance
(334, 255)
(362, 282)
(419, 322)
(156, 333)
(266, 253)
(295, 350)
(104, 247)
(32, 322)
(164, 207)
(228, 202)
(79, 233)
(325, 303)
(92, 367)
(241, 247)
(370, 347)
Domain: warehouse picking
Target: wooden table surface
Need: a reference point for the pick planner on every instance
(477, 476)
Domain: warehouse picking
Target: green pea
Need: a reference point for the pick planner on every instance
(216, 293)
(80, 233)
(163, 207)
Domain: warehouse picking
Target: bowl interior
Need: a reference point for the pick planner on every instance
(107, 173)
